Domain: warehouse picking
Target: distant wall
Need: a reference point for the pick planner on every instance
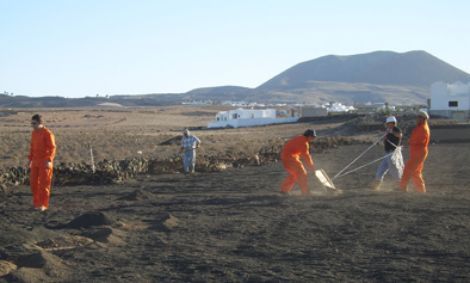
(459, 133)
(451, 114)
(313, 112)
(116, 171)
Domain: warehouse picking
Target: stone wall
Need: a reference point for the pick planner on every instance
(116, 171)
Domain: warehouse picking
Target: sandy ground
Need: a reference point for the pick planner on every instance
(234, 226)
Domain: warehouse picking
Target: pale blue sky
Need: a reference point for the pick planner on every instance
(83, 47)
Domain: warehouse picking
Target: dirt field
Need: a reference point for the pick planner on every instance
(234, 226)
(231, 226)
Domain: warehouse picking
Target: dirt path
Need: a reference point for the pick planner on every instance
(233, 226)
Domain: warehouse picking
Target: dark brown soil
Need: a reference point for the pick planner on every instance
(234, 226)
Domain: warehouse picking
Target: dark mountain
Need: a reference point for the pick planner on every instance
(7, 101)
(414, 68)
(220, 93)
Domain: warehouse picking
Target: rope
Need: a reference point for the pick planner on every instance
(357, 158)
(365, 165)
(374, 161)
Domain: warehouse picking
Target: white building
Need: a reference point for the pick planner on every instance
(252, 117)
(337, 107)
(450, 100)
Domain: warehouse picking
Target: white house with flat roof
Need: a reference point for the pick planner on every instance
(239, 118)
(450, 100)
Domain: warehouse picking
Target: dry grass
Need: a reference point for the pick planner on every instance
(124, 133)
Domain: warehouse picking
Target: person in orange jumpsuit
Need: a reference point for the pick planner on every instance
(295, 149)
(419, 141)
(41, 158)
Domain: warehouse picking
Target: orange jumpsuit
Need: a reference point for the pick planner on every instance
(42, 151)
(419, 141)
(293, 150)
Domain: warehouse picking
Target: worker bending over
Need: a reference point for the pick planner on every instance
(393, 161)
(292, 152)
(189, 144)
(419, 141)
(41, 158)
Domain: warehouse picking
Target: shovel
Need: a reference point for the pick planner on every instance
(324, 179)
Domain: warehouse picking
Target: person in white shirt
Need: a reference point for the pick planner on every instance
(189, 144)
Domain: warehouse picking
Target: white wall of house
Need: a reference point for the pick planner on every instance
(450, 100)
(248, 118)
(450, 97)
(245, 114)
